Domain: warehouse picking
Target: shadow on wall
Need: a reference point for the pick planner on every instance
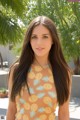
(70, 118)
(1, 61)
(4, 78)
(3, 111)
(74, 119)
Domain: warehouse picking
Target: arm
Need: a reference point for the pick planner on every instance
(11, 106)
(63, 113)
(11, 111)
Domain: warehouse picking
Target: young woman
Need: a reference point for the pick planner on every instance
(40, 79)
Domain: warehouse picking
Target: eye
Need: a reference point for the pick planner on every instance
(34, 37)
(45, 37)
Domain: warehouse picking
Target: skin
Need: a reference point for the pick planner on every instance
(11, 106)
(41, 43)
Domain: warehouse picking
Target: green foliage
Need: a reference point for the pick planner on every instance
(10, 12)
(66, 16)
(2, 90)
(17, 6)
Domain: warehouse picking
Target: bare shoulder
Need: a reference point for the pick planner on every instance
(11, 72)
(12, 68)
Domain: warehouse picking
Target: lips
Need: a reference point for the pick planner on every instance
(39, 48)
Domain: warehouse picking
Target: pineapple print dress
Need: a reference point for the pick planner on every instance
(42, 103)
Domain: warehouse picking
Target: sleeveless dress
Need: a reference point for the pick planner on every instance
(42, 103)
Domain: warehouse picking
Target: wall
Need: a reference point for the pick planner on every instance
(75, 91)
(7, 54)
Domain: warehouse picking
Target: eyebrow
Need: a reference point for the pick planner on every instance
(42, 34)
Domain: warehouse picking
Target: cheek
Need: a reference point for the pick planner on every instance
(49, 45)
(32, 45)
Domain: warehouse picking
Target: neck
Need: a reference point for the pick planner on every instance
(41, 61)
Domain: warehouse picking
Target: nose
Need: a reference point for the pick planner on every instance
(39, 41)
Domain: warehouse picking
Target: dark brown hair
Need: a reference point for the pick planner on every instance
(59, 66)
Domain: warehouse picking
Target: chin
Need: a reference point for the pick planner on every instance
(40, 55)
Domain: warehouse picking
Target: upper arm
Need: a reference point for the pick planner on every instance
(10, 81)
(11, 105)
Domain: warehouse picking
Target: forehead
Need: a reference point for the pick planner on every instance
(40, 29)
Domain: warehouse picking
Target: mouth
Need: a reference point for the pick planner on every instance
(39, 48)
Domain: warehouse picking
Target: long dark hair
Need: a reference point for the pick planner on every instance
(59, 66)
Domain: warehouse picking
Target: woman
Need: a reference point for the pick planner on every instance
(40, 79)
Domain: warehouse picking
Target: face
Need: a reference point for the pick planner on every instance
(41, 41)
